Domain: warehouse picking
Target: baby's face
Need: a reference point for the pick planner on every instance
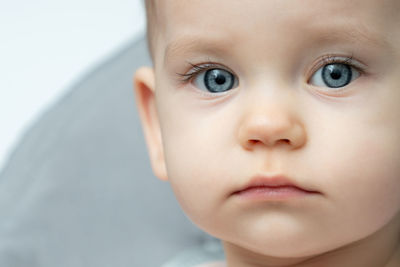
(308, 89)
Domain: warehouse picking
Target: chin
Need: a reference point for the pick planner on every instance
(286, 247)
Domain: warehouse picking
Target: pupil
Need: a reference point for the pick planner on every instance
(336, 74)
(220, 79)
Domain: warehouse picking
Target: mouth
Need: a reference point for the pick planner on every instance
(273, 188)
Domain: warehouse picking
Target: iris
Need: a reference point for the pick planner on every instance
(336, 75)
(218, 80)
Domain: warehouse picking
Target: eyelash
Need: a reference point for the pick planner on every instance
(196, 70)
(332, 59)
(325, 60)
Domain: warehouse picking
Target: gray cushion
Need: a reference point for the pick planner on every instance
(78, 190)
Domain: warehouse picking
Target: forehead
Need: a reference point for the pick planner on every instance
(237, 21)
(244, 13)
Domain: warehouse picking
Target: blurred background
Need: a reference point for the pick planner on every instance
(48, 46)
(78, 190)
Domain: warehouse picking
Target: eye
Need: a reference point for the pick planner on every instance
(334, 75)
(215, 80)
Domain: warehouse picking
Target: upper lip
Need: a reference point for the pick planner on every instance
(272, 181)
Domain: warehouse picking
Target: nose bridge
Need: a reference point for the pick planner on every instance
(270, 118)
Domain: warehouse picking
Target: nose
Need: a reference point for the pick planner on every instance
(270, 127)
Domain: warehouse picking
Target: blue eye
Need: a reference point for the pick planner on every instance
(334, 75)
(215, 80)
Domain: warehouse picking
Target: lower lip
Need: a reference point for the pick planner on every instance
(273, 193)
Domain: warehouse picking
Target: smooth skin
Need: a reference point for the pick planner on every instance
(278, 118)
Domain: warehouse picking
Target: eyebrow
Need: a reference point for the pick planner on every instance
(358, 34)
(206, 44)
(194, 43)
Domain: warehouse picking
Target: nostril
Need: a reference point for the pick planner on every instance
(253, 141)
(256, 141)
(286, 141)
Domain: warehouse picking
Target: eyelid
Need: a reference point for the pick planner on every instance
(331, 59)
(198, 68)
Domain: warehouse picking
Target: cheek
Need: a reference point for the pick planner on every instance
(197, 170)
(361, 174)
(197, 180)
(191, 139)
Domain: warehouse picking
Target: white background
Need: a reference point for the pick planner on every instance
(46, 46)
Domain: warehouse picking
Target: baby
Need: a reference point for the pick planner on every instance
(277, 124)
